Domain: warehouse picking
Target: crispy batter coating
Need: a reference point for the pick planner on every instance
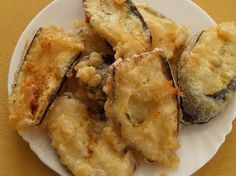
(78, 137)
(142, 103)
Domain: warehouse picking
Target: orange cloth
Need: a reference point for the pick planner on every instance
(16, 158)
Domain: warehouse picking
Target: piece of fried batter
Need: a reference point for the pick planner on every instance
(80, 138)
(142, 103)
(91, 73)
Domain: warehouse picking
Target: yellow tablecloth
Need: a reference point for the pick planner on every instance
(16, 158)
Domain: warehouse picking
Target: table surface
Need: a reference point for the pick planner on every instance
(16, 158)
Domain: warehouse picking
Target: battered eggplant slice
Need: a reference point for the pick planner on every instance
(79, 138)
(166, 34)
(50, 56)
(207, 73)
(142, 103)
(121, 24)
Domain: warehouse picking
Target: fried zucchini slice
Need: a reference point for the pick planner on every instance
(78, 137)
(207, 73)
(166, 34)
(142, 103)
(121, 24)
(49, 57)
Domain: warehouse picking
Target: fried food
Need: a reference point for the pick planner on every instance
(92, 73)
(207, 73)
(121, 96)
(121, 24)
(142, 103)
(89, 75)
(79, 138)
(166, 34)
(50, 56)
(93, 42)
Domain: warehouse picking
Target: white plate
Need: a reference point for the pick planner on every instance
(198, 143)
